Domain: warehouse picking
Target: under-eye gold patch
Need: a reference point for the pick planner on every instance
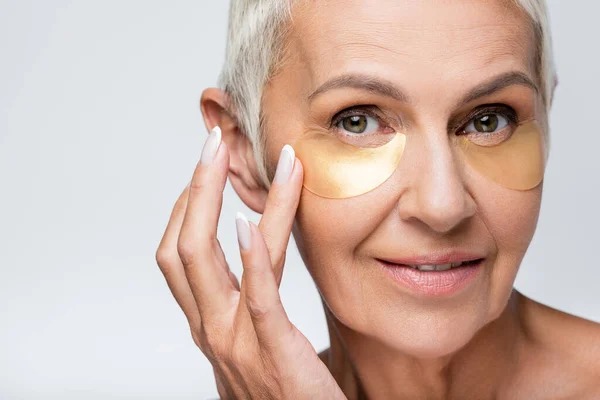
(337, 169)
(516, 163)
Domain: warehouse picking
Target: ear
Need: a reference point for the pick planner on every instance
(243, 170)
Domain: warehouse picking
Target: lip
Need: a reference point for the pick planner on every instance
(434, 283)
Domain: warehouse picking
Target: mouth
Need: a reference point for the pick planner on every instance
(433, 278)
(443, 267)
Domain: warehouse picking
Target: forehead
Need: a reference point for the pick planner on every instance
(426, 41)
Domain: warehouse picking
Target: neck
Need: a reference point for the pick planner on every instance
(367, 369)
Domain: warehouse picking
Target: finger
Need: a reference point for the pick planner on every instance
(170, 264)
(259, 286)
(225, 264)
(197, 247)
(172, 268)
(280, 210)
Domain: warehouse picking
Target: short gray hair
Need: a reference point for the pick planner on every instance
(255, 39)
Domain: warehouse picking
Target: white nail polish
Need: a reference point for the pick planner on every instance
(210, 146)
(243, 231)
(285, 164)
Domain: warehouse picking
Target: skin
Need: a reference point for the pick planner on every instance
(486, 342)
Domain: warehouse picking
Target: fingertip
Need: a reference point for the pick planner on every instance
(253, 232)
(297, 175)
(290, 150)
(242, 216)
(259, 246)
(223, 152)
(244, 232)
(217, 131)
(298, 166)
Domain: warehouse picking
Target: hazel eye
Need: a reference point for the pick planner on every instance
(489, 129)
(359, 124)
(488, 123)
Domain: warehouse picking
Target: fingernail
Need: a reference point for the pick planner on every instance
(285, 164)
(243, 231)
(210, 146)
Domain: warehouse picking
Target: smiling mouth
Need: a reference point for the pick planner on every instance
(435, 278)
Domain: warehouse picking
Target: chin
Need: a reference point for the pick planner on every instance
(413, 329)
(422, 342)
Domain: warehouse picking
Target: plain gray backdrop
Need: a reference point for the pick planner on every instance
(100, 130)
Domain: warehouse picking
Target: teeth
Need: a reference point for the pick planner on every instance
(442, 267)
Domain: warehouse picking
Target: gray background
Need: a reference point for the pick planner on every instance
(99, 132)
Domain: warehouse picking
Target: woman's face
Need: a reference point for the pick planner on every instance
(437, 54)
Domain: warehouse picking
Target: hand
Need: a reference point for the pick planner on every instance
(256, 352)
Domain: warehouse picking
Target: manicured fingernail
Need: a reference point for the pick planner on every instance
(210, 146)
(243, 231)
(285, 164)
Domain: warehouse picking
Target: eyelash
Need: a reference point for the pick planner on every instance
(502, 109)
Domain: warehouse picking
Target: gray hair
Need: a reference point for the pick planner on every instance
(255, 40)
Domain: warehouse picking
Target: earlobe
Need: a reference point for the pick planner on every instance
(243, 171)
(255, 197)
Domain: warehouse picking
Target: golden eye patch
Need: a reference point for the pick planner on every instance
(334, 168)
(516, 163)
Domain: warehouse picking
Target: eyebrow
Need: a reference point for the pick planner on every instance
(386, 88)
(367, 83)
(497, 83)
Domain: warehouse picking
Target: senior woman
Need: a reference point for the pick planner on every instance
(404, 144)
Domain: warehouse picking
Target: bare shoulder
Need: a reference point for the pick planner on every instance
(566, 332)
(563, 349)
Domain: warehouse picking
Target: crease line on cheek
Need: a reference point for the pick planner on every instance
(481, 216)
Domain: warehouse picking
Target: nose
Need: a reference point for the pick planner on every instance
(435, 194)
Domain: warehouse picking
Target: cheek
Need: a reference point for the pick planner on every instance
(328, 233)
(511, 218)
(328, 230)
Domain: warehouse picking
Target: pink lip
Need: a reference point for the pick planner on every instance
(432, 283)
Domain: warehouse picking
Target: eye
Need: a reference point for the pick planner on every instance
(362, 126)
(487, 123)
(358, 124)
(490, 126)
